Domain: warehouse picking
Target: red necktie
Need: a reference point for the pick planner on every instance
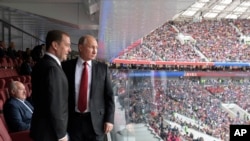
(82, 100)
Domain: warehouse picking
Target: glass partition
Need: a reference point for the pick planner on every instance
(154, 105)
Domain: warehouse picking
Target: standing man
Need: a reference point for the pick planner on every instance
(50, 90)
(92, 121)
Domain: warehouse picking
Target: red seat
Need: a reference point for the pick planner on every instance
(1, 113)
(3, 95)
(15, 63)
(2, 73)
(1, 106)
(22, 78)
(7, 81)
(20, 61)
(17, 136)
(28, 78)
(4, 62)
(2, 83)
(16, 78)
(28, 82)
(4, 135)
(21, 136)
(10, 62)
(28, 91)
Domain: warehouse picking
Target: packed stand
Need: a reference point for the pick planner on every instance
(145, 98)
(163, 43)
(140, 52)
(217, 41)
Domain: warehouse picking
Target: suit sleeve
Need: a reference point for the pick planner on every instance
(109, 98)
(58, 100)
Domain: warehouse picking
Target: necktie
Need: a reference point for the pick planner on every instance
(82, 100)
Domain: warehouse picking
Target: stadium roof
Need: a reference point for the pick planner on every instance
(217, 9)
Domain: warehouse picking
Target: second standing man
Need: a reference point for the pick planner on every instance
(96, 118)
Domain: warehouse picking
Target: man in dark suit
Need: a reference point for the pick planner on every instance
(50, 90)
(97, 119)
(17, 111)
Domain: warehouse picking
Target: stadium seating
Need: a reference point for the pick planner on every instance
(4, 135)
(17, 136)
(3, 95)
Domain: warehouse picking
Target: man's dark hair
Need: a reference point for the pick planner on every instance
(54, 35)
(36, 53)
(81, 40)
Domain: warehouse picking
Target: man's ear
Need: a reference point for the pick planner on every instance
(54, 45)
(79, 47)
(12, 92)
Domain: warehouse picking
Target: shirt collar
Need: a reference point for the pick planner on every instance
(80, 61)
(53, 56)
(19, 99)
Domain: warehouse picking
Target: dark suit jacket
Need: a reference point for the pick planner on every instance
(50, 99)
(16, 115)
(25, 68)
(101, 102)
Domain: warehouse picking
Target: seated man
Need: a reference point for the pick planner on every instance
(17, 111)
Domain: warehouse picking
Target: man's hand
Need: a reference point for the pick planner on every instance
(65, 138)
(108, 127)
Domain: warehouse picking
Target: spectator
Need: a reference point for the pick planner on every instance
(17, 111)
(2, 49)
(27, 53)
(38, 52)
(11, 51)
(26, 67)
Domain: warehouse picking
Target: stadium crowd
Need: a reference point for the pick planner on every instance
(214, 41)
(148, 99)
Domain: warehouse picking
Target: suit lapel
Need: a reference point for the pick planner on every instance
(52, 60)
(73, 69)
(30, 106)
(93, 79)
(18, 102)
(22, 105)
